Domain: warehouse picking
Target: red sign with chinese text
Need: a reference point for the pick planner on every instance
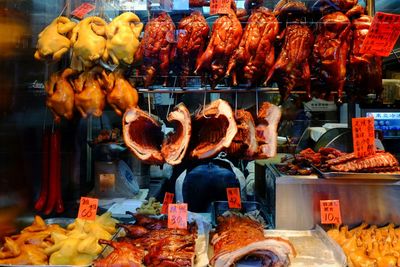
(82, 10)
(88, 208)
(233, 195)
(177, 216)
(330, 212)
(168, 199)
(363, 136)
(382, 35)
(219, 6)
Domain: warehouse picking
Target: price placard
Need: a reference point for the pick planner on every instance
(177, 216)
(330, 212)
(88, 208)
(382, 35)
(219, 6)
(168, 199)
(363, 136)
(233, 195)
(82, 10)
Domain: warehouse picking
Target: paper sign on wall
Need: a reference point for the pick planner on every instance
(330, 212)
(168, 199)
(233, 195)
(363, 136)
(382, 35)
(88, 208)
(177, 216)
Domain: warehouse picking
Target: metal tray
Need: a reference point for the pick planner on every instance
(314, 249)
(218, 208)
(358, 175)
(309, 176)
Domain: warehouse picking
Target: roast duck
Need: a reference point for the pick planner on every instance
(292, 69)
(364, 70)
(256, 54)
(156, 49)
(192, 38)
(53, 41)
(238, 238)
(330, 52)
(225, 38)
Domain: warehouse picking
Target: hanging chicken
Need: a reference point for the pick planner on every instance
(123, 38)
(330, 54)
(225, 38)
(121, 95)
(53, 41)
(88, 42)
(336, 5)
(192, 38)
(365, 70)
(89, 96)
(156, 48)
(60, 95)
(255, 55)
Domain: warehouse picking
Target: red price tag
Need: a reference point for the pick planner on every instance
(382, 35)
(88, 208)
(82, 10)
(219, 6)
(168, 199)
(330, 212)
(234, 201)
(363, 136)
(177, 216)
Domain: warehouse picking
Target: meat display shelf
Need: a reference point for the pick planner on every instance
(178, 90)
(357, 176)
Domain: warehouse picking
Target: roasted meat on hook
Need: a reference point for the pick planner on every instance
(330, 52)
(192, 38)
(142, 134)
(256, 54)
(225, 38)
(156, 48)
(214, 129)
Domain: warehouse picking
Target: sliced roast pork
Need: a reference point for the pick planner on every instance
(214, 128)
(175, 145)
(267, 130)
(142, 134)
(244, 144)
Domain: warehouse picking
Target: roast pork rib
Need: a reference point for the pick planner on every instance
(383, 159)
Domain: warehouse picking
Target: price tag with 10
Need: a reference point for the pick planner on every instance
(330, 212)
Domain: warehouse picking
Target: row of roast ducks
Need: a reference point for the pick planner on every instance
(320, 62)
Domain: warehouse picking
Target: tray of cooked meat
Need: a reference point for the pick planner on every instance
(241, 241)
(149, 242)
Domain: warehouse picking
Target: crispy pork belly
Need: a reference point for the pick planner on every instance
(244, 144)
(267, 130)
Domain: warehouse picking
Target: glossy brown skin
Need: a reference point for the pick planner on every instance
(291, 68)
(192, 38)
(156, 48)
(365, 70)
(256, 54)
(124, 254)
(330, 52)
(225, 38)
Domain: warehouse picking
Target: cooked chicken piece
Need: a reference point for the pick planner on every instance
(121, 95)
(22, 254)
(123, 38)
(60, 95)
(124, 254)
(88, 42)
(53, 41)
(89, 96)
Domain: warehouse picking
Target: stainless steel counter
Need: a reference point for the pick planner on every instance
(295, 201)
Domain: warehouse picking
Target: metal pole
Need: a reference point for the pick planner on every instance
(370, 4)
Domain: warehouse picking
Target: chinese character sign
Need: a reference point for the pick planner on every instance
(233, 196)
(363, 136)
(88, 208)
(168, 199)
(219, 6)
(177, 216)
(330, 212)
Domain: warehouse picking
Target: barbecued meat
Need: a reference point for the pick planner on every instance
(124, 254)
(292, 69)
(244, 144)
(225, 38)
(142, 134)
(134, 230)
(365, 70)
(255, 55)
(381, 159)
(175, 145)
(268, 118)
(337, 5)
(341, 159)
(192, 37)
(330, 53)
(156, 48)
(239, 237)
(214, 129)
